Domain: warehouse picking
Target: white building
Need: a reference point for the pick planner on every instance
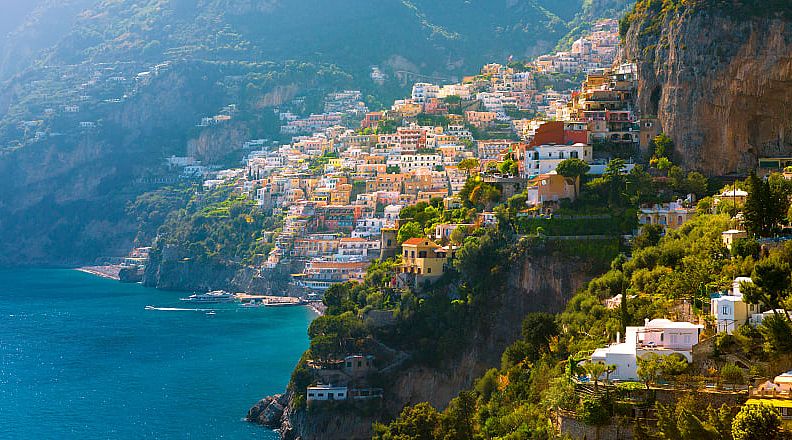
(545, 158)
(412, 162)
(659, 336)
(423, 92)
(326, 392)
(731, 311)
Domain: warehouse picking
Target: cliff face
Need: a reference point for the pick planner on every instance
(719, 82)
(174, 268)
(63, 199)
(542, 283)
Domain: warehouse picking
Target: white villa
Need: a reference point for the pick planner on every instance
(660, 336)
(545, 158)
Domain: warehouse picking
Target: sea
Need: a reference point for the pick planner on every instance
(81, 358)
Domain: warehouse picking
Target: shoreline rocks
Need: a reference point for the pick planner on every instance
(268, 411)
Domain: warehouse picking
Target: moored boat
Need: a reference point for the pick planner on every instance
(216, 296)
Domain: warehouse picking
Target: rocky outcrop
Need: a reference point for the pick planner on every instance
(540, 283)
(719, 81)
(172, 267)
(268, 411)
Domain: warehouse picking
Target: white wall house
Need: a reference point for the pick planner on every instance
(326, 392)
(731, 311)
(659, 336)
(545, 158)
(412, 162)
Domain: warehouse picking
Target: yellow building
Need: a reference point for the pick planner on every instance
(422, 260)
(732, 235)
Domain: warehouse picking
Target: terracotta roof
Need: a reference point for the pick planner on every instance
(419, 242)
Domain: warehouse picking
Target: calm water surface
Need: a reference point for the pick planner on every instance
(80, 358)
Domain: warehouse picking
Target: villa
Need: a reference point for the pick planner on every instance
(659, 336)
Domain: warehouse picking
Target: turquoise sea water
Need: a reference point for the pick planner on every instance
(80, 358)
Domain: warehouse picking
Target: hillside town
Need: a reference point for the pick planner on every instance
(343, 180)
(349, 183)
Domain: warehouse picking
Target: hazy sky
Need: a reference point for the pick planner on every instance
(13, 12)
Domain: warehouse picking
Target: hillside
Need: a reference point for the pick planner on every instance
(717, 75)
(76, 115)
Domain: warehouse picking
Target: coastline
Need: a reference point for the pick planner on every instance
(317, 307)
(110, 272)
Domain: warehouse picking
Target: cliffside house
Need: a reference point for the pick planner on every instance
(321, 392)
(422, 260)
(659, 336)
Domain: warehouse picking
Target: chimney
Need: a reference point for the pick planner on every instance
(618, 337)
(646, 321)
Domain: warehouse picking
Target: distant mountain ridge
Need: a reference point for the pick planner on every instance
(71, 174)
(437, 36)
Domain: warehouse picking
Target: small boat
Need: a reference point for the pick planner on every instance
(211, 313)
(216, 296)
(252, 305)
(150, 308)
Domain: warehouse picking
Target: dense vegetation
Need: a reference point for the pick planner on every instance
(654, 12)
(665, 275)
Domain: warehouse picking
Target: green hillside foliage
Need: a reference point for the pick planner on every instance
(219, 226)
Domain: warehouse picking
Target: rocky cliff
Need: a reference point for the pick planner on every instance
(718, 78)
(540, 283)
(175, 268)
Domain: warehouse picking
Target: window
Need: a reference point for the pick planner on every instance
(725, 310)
(428, 270)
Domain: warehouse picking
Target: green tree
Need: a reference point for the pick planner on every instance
(538, 328)
(664, 145)
(765, 207)
(419, 422)
(469, 164)
(593, 411)
(409, 230)
(757, 422)
(573, 169)
(509, 167)
(594, 370)
(649, 369)
(696, 183)
(732, 374)
(649, 236)
(771, 283)
(672, 366)
(460, 417)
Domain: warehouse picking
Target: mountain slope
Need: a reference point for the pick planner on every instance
(70, 174)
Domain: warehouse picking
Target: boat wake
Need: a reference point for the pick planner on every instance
(176, 309)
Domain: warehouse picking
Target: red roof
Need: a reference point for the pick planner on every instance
(419, 242)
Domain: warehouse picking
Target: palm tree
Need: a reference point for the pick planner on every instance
(594, 371)
(609, 369)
